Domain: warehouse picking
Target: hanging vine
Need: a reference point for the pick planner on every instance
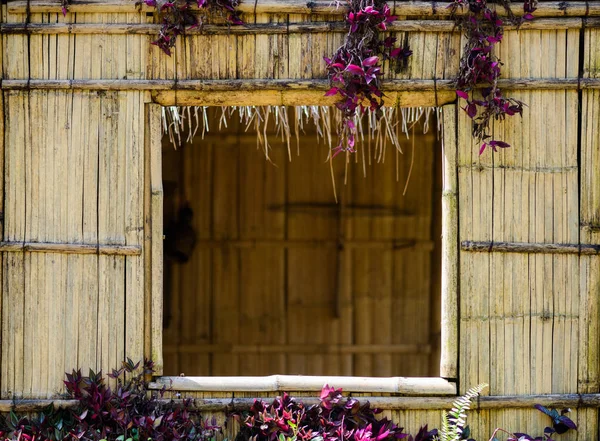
(480, 66)
(177, 16)
(355, 70)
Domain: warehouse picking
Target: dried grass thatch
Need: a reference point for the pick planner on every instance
(376, 132)
(182, 124)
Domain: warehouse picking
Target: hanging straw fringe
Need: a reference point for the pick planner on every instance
(182, 124)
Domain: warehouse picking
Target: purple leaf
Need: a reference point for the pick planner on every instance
(371, 61)
(464, 95)
(356, 70)
(501, 144)
(471, 110)
(331, 92)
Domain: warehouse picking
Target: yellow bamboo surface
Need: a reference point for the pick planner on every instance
(205, 56)
(76, 178)
(524, 317)
(74, 172)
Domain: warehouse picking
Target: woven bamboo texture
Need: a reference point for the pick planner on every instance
(82, 168)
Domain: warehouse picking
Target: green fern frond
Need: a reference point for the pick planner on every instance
(454, 421)
(445, 429)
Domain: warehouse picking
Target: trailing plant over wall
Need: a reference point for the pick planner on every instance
(177, 16)
(128, 412)
(355, 69)
(480, 66)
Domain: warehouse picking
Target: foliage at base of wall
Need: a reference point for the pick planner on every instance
(128, 412)
(132, 412)
(346, 419)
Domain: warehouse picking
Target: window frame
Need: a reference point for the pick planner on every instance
(153, 252)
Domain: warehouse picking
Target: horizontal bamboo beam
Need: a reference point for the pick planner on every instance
(590, 226)
(374, 244)
(268, 85)
(295, 97)
(557, 401)
(71, 248)
(410, 9)
(299, 349)
(275, 383)
(270, 28)
(430, 403)
(35, 405)
(530, 248)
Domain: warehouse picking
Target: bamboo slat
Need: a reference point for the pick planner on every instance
(309, 293)
(151, 131)
(134, 119)
(16, 140)
(70, 248)
(262, 269)
(414, 8)
(530, 248)
(365, 244)
(226, 290)
(85, 138)
(153, 150)
(110, 346)
(300, 349)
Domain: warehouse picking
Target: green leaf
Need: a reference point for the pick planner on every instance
(14, 419)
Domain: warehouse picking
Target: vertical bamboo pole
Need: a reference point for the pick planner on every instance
(449, 349)
(153, 244)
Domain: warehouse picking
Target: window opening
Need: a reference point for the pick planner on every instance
(266, 273)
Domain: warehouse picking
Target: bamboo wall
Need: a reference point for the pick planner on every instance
(528, 321)
(268, 273)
